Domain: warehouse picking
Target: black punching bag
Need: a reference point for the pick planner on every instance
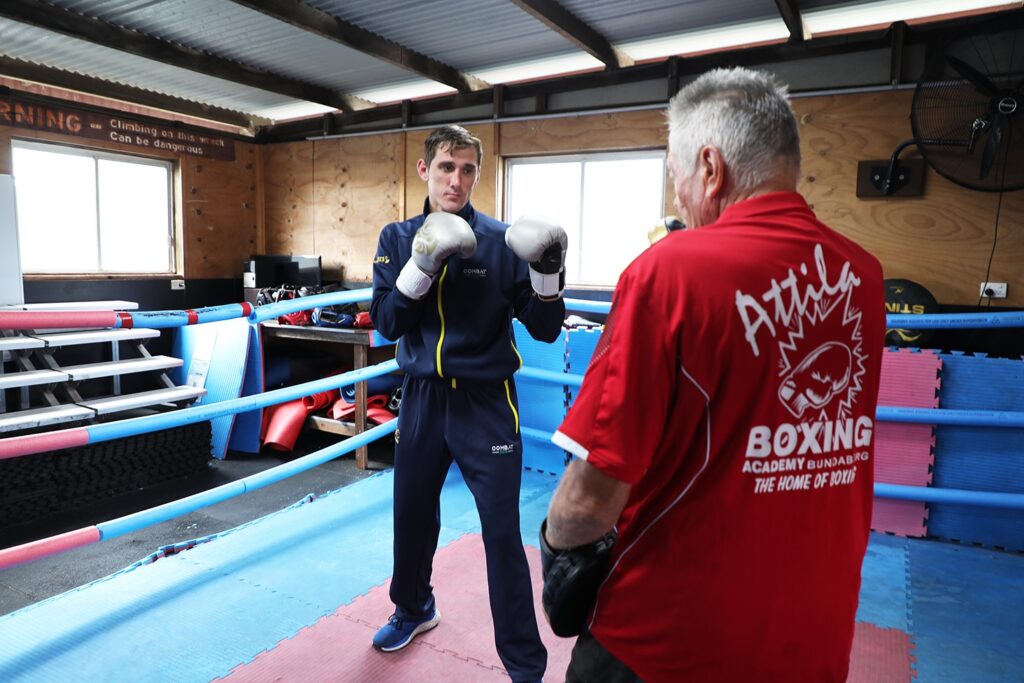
(906, 297)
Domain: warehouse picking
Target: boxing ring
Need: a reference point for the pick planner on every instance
(297, 595)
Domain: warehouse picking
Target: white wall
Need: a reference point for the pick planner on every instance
(11, 291)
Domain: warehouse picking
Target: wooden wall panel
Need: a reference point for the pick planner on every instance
(332, 197)
(941, 240)
(217, 204)
(288, 198)
(594, 133)
(357, 187)
(220, 213)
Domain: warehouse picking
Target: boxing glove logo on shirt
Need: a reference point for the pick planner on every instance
(819, 377)
(809, 316)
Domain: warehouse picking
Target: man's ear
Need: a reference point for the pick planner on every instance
(713, 169)
(421, 168)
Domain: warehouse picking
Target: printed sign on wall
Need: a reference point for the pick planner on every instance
(114, 128)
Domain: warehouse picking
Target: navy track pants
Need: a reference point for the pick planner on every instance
(477, 424)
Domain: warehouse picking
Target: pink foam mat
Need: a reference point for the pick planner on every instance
(461, 649)
(880, 655)
(904, 452)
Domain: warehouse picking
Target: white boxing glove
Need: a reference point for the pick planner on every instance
(441, 235)
(542, 243)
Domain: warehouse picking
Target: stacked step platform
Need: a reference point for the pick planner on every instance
(39, 393)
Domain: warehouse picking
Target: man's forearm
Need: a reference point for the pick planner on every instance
(585, 507)
(569, 527)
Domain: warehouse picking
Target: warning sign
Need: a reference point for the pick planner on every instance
(117, 129)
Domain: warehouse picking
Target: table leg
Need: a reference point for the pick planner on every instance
(360, 357)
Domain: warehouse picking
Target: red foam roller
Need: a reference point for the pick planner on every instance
(284, 425)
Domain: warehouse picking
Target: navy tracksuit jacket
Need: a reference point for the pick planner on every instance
(458, 353)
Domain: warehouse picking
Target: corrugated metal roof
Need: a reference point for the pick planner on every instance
(31, 44)
(654, 18)
(228, 30)
(806, 5)
(473, 36)
(465, 34)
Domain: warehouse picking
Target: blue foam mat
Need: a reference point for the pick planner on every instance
(979, 458)
(883, 595)
(541, 404)
(980, 383)
(245, 436)
(196, 615)
(968, 613)
(579, 350)
(228, 344)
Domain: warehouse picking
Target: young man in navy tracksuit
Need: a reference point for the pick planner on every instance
(446, 285)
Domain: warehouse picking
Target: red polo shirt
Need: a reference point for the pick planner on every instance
(734, 388)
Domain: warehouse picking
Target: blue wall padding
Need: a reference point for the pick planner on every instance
(541, 404)
(967, 618)
(980, 383)
(579, 350)
(883, 591)
(230, 340)
(245, 437)
(979, 458)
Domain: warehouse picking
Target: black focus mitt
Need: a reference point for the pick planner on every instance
(571, 580)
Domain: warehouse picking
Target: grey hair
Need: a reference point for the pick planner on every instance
(745, 114)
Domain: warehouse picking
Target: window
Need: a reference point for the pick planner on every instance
(83, 211)
(605, 202)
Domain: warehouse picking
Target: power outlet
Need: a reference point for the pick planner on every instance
(993, 290)
(180, 284)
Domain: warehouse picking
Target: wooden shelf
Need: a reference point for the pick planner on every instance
(360, 341)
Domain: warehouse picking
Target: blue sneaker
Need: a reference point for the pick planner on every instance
(399, 631)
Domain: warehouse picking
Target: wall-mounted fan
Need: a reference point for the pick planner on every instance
(967, 112)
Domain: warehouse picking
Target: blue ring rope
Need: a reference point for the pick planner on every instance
(932, 321)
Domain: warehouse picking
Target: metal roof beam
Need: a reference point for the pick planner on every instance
(82, 27)
(558, 18)
(327, 26)
(791, 15)
(15, 68)
(899, 37)
(363, 121)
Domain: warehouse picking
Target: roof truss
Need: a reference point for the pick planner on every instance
(558, 18)
(310, 19)
(66, 22)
